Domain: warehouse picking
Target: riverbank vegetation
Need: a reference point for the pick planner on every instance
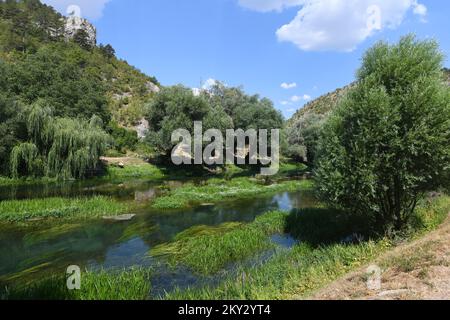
(58, 147)
(79, 208)
(208, 250)
(216, 190)
(321, 256)
(99, 285)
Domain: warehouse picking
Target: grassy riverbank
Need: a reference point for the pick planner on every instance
(137, 169)
(124, 285)
(319, 259)
(215, 190)
(23, 210)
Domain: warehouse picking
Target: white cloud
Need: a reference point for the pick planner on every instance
(305, 97)
(90, 9)
(420, 9)
(288, 86)
(337, 25)
(196, 91)
(296, 98)
(269, 5)
(285, 103)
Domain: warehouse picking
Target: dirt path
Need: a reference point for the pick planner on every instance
(123, 160)
(420, 270)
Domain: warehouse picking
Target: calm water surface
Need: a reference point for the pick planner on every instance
(33, 250)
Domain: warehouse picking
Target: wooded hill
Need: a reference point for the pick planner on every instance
(67, 83)
(37, 62)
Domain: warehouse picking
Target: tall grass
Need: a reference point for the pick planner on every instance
(219, 189)
(103, 285)
(22, 210)
(323, 255)
(141, 171)
(288, 274)
(208, 252)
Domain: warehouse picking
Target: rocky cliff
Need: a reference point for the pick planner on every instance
(73, 24)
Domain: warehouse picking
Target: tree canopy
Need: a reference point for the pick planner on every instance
(178, 108)
(389, 141)
(58, 147)
(220, 108)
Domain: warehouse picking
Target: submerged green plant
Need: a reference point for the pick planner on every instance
(206, 250)
(22, 210)
(218, 190)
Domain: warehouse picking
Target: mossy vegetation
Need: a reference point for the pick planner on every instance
(215, 190)
(84, 208)
(208, 250)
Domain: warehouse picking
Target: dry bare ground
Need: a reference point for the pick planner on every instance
(123, 160)
(419, 270)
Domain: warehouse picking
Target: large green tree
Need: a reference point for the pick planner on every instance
(389, 141)
(57, 147)
(12, 129)
(246, 111)
(303, 137)
(178, 108)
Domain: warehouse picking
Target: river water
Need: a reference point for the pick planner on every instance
(33, 250)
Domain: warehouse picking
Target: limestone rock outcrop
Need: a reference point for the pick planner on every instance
(75, 23)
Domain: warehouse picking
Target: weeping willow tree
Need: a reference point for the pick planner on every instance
(25, 160)
(58, 147)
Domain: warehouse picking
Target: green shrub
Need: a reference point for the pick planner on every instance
(388, 142)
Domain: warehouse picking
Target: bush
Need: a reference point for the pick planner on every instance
(124, 139)
(388, 142)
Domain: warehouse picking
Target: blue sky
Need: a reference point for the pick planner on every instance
(310, 46)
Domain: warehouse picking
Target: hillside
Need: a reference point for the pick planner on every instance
(44, 55)
(326, 103)
(322, 105)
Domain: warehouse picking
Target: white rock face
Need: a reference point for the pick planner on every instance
(151, 87)
(142, 128)
(74, 23)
